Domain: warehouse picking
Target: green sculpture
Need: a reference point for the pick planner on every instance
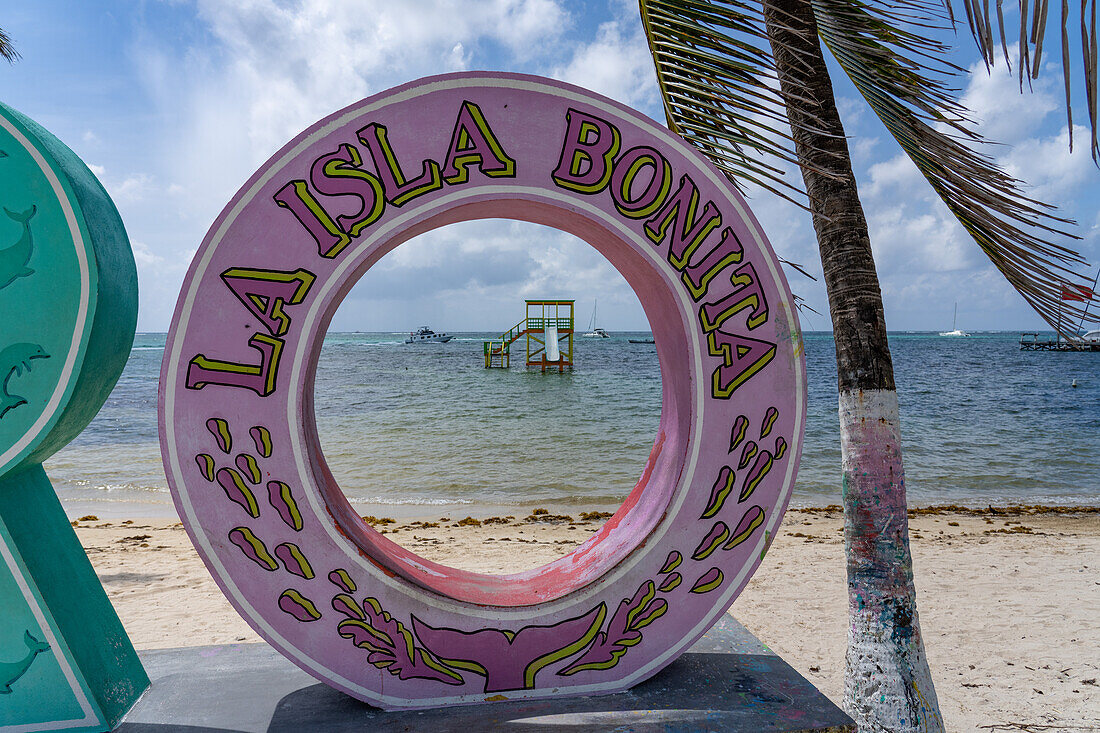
(68, 309)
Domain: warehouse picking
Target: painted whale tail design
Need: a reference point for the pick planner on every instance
(34, 644)
(10, 672)
(14, 259)
(23, 217)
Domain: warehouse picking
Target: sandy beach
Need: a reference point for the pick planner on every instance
(1009, 600)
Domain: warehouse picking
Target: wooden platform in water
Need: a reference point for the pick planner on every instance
(1035, 344)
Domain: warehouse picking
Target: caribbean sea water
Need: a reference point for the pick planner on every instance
(415, 429)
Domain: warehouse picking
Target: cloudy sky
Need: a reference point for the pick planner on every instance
(174, 103)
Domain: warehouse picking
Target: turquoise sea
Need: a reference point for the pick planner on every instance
(417, 429)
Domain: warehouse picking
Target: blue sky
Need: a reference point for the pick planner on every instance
(174, 103)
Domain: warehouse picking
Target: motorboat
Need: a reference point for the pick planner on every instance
(955, 331)
(425, 335)
(1089, 341)
(594, 331)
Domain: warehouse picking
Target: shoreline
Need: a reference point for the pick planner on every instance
(161, 513)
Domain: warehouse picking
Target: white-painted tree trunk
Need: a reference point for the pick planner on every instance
(887, 684)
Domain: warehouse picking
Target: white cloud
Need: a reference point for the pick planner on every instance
(897, 173)
(476, 274)
(144, 257)
(1001, 112)
(458, 59)
(1052, 172)
(158, 276)
(275, 68)
(132, 188)
(616, 64)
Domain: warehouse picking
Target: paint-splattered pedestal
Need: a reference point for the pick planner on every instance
(728, 681)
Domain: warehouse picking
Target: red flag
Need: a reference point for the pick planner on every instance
(1077, 292)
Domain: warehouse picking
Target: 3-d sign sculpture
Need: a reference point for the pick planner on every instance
(243, 457)
(68, 308)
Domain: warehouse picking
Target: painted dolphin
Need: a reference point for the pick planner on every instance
(14, 360)
(14, 259)
(12, 671)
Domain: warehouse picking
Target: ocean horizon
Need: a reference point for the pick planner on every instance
(415, 430)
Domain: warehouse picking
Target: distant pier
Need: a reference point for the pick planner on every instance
(1032, 342)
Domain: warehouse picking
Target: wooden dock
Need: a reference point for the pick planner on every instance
(1034, 343)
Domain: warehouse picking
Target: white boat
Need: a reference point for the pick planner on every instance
(594, 331)
(425, 335)
(954, 330)
(1092, 338)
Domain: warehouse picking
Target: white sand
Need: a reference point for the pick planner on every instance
(1011, 618)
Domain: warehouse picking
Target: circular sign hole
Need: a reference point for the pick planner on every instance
(423, 438)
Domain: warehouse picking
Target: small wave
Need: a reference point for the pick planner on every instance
(84, 485)
(109, 500)
(417, 502)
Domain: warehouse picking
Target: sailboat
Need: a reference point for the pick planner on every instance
(955, 331)
(594, 331)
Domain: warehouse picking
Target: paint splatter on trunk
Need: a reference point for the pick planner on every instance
(887, 684)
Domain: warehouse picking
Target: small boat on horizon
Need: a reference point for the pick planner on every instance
(595, 331)
(425, 335)
(955, 331)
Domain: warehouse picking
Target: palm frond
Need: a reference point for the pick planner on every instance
(1032, 32)
(7, 50)
(905, 78)
(717, 78)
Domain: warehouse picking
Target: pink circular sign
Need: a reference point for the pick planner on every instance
(245, 463)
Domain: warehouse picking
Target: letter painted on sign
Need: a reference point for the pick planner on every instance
(687, 230)
(297, 197)
(747, 294)
(398, 189)
(265, 292)
(260, 378)
(626, 173)
(742, 357)
(474, 143)
(340, 174)
(701, 270)
(586, 155)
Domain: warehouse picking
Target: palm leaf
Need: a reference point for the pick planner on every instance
(889, 52)
(1032, 32)
(7, 50)
(906, 80)
(717, 80)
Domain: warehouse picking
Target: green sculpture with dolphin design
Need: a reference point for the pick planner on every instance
(68, 310)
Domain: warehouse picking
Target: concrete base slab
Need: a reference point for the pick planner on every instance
(727, 681)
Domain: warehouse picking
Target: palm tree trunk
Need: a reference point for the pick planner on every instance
(888, 686)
